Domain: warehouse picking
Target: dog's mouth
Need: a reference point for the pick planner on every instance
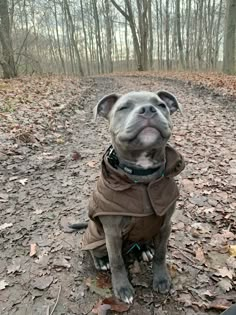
(143, 131)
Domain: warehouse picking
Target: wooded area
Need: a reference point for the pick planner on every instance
(76, 37)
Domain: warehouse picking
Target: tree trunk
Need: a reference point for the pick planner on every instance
(85, 37)
(98, 34)
(130, 18)
(126, 42)
(150, 48)
(7, 60)
(229, 38)
(58, 39)
(81, 72)
(167, 37)
(188, 35)
(180, 44)
(108, 35)
(217, 42)
(200, 35)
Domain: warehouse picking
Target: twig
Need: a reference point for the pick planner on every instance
(217, 307)
(48, 310)
(201, 268)
(55, 305)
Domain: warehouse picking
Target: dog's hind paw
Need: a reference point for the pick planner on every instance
(102, 263)
(147, 253)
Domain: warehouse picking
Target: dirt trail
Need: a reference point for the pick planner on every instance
(44, 188)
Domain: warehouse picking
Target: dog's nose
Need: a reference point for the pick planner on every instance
(147, 111)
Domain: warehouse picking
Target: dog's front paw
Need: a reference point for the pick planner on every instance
(124, 292)
(162, 283)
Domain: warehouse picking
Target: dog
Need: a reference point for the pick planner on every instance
(136, 193)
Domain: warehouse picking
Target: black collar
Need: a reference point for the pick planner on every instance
(114, 161)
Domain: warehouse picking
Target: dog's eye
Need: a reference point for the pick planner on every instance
(122, 108)
(162, 105)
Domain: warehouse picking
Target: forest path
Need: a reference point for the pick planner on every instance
(45, 187)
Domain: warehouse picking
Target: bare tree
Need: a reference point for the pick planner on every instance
(98, 34)
(85, 37)
(167, 30)
(178, 24)
(108, 35)
(229, 38)
(150, 48)
(7, 60)
(140, 46)
(74, 43)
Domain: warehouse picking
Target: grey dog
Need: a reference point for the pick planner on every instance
(136, 171)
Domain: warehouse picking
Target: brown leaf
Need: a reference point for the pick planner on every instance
(101, 309)
(135, 268)
(42, 283)
(188, 185)
(15, 267)
(225, 272)
(104, 280)
(93, 286)
(33, 249)
(232, 250)
(61, 262)
(92, 163)
(110, 303)
(200, 255)
(225, 285)
(76, 156)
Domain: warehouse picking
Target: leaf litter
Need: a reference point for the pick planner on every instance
(49, 138)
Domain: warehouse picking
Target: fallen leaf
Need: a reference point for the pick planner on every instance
(42, 283)
(13, 268)
(198, 200)
(33, 249)
(110, 303)
(199, 254)
(232, 250)
(231, 262)
(4, 198)
(104, 280)
(38, 211)
(92, 163)
(225, 285)
(93, 286)
(3, 284)
(23, 181)
(219, 304)
(135, 268)
(61, 262)
(178, 226)
(75, 156)
(5, 225)
(101, 309)
(225, 272)
(188, 185)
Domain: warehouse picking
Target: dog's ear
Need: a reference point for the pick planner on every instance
(105, 105)
(170, 101)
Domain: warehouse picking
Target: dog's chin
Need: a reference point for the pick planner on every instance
(146, 138)
(149, 136)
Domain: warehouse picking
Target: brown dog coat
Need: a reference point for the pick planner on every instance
(146, 204)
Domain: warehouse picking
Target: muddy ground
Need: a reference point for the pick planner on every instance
(46, 182)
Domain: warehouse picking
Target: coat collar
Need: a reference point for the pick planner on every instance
(173, 166)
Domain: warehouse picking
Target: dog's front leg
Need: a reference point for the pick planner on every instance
(120, 283)
(161, 278)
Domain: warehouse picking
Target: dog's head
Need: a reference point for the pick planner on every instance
(139, 120)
